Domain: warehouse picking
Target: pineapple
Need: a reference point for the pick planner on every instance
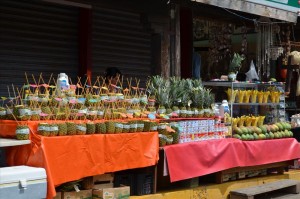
(22, 113)
(91, 113)
(147, 124)
(35, 114)
(140, 126)
(162, 140)
(110, 126)
(183, 111)
(162, 128)
(153, 126)
(47, 111)
(53, 129)
(90, 127)
(101, 127)
(133, 126)
(71, 128)
(2, 113)
(81, 129)
(169, 139)
(62, 129)
(175, 135)
(126, 127)
(43, 129)
(118, 127)
(22, 132)
(189, 112)
(176, 93)
(100, 113)
(9, 114)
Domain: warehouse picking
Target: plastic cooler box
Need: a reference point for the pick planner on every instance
(23, 182)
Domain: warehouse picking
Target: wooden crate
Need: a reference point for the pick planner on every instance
(253, 171)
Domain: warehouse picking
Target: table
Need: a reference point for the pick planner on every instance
(68, 158)
(6, 142)
(195, 159)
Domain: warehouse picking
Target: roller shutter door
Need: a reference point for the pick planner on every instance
(36, 37)
(120, 40)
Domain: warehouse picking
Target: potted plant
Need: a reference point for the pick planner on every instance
(235, 66)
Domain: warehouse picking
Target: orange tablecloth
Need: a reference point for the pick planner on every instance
(68, 158)
(195, 159)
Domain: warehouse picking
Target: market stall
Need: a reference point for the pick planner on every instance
(216, 155)
(70, 158)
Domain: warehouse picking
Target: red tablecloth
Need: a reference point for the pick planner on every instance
(68, 158)
(194, 159)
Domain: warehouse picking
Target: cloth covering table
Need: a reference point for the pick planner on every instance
(195, 159)
(68, 158)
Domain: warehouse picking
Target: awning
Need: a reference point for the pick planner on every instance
(285, 10)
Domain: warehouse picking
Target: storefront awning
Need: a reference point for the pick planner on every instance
(285, 10)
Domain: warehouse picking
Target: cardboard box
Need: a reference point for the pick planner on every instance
(112, 193)
(58, 195)
(83, 194)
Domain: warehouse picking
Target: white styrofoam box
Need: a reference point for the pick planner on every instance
(22, 182)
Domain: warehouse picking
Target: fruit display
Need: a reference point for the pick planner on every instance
(253, 96)
(267, 131)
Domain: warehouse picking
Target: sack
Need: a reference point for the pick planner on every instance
(251, 74)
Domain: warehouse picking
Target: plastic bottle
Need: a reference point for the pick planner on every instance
(62, 83)
(224, 108)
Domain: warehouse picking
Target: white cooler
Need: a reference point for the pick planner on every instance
(23, 182)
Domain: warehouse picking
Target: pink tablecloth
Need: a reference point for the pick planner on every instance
(190, 160)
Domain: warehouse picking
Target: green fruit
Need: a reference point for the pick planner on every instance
(255, 136)
(251, 137)
(267, 135)
(291, 134)
(280, 127)
(263, 129)
(247, 136)
(259, 131)
(261, 136)
(276, 135)
(244, 137)
(250, 129)
(288, 126)
(268, 128)
(237, 136)
(244, 130)
(237, 130)
(271, 135)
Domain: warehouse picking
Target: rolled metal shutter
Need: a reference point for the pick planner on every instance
(36, 37)
(120, 40)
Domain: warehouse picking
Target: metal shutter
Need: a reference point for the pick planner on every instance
(120, 40)
(36, 37)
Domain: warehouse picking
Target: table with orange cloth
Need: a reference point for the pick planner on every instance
(68, 158)
(189, 160)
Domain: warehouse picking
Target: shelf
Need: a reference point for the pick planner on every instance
(239, 84)
(256, 104)
(4, 142)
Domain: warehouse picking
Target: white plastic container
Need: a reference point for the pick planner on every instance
(23, 182)
(224, 108)
(62, 83)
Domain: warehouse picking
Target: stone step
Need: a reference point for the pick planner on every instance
(288, 186)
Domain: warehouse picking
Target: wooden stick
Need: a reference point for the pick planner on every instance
(13, 115)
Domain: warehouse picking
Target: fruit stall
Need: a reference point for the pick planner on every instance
(91, 128)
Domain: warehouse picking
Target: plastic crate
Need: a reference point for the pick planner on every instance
(143, 184)
(124, 179)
